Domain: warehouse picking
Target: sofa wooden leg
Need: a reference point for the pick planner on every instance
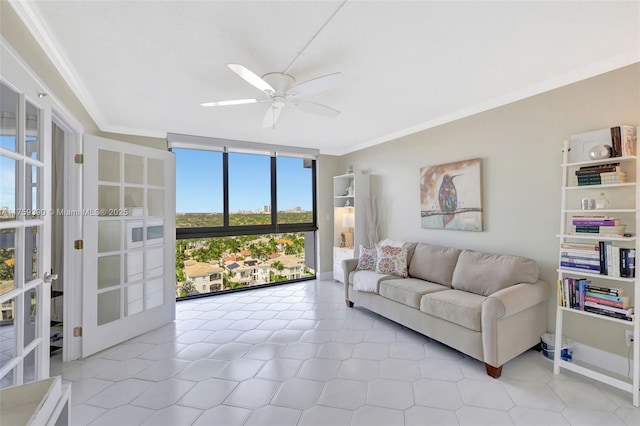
(492, 371)
(349, 303)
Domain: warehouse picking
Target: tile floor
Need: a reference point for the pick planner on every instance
(296, 355)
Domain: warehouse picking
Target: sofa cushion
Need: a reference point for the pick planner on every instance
(459, 307)
(408, 291)
(434, 263)
(367, 280)
(484, 273)
(391, 260)
(367, 259)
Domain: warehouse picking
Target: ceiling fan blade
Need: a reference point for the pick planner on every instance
(317, 85)
(231, 102)
(316, 108)
(251, 78)
(271, 117)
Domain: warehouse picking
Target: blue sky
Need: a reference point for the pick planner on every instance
(199, 182)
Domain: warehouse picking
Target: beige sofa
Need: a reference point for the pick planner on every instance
(491, 307)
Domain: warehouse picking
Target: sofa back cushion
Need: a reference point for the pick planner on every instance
(434, 263)
(484, 273)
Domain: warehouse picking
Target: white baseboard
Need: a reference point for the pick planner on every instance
(605, 360)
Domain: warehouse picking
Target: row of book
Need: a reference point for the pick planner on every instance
(602, 258)
(597, 226)
(601, 178)
(581, 294)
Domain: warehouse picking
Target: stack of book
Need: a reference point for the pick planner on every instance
(581, 294)
(583, 257)
(597, 226)
(600, 174)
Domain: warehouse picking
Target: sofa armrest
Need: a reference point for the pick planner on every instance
(512, 300)
(348, 266)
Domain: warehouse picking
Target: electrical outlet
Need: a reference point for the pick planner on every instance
(628, 337)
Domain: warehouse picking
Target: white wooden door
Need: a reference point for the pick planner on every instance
(25, 226)
(128, 241)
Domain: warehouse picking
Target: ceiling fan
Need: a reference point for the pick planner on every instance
(280, 90)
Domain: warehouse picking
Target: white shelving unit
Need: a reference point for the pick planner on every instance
(624, 199)
(350, 193)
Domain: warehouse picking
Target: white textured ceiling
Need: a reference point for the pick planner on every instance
(144, 67)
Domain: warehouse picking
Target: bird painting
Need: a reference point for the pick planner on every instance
(450, 196)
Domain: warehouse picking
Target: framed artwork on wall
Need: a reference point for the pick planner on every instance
(451, 196)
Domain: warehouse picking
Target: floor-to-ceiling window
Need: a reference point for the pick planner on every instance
(245, 216)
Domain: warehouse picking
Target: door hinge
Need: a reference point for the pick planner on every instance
(77, 332)
(78, 244)
(78, 159)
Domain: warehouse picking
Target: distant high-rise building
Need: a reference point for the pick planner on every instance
(266, 209)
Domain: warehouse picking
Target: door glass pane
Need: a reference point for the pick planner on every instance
(133, 169)
(155, 202)
(30, 316)
(8, 113)
(8, 188)
(108, 200)
(155, 261)
(249, 189)
(32, 137)
(108, 307)
(32, 191)
(294, 190)
(7, 260)
(134, 299)
(155, 296)
(108, 271)
(155, 172)
(108, 235)
(108, 166)
(29, 372)
(31, 242)
(133, 198)
(7, 380)
(134, 266)
(199, 190)
(7, 329)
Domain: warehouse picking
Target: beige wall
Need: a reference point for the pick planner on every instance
(327, 167)
(520, 146)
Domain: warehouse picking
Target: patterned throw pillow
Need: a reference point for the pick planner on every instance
(367, 259)
(391, 260)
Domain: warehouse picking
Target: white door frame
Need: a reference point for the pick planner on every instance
(72, 259)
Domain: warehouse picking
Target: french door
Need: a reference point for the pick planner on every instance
(128, 241)
(25, 226)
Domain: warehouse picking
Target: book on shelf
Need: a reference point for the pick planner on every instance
(627, 263)
(579, 246)
(595, 229)
(578, 266)
(616, 302)
(626, 317)
(601, 168)
(624, 311)
(581, 261)
(595, 222)
(601, 178)
(627, 139)
(611, 291)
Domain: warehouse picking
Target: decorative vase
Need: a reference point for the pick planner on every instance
(600, 151)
